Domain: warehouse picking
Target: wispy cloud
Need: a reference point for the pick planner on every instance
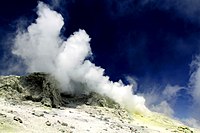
(188, 9)
(164, 108)
(195, 79)
(171, 91)
(191, 122)
(160, 101)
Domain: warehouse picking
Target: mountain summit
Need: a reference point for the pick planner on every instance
(34, 103)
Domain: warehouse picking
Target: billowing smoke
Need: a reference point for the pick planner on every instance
(43, 50)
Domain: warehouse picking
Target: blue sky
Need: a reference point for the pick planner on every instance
(152, 41)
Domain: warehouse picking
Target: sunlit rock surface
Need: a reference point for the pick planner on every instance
(33, 103)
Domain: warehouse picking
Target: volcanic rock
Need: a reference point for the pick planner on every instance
(34, 103)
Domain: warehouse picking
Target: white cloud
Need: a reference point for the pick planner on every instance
(132, 80)
(195, 80)
(56, 3)
(160, 101)
(171, 91)
(163, 108)
(191, 122)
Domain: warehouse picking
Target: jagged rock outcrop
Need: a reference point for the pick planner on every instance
(42, 87)
(10, 87)
(38, 87)
(92, 99)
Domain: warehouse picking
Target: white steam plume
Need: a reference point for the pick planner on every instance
(43, 50)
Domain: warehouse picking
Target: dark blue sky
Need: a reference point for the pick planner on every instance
(153, 41)
(141, 40)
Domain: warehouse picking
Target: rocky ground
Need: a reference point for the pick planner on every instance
(33, 104)
(36, 118)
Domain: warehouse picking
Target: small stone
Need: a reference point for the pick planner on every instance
(46, 102)
(101, 118)
(11, 111)
(3, 115)
(107, 110)
(17, 119)
(45, 112)
(64, 124)
(119, 126)
(122, 120)
(92, 115)
(106, 119)
(62, 130)
(72, 127)
(38, 114)
(13, 103)
(48, 123)
(132, 129)
(61, 108)
(55, 114)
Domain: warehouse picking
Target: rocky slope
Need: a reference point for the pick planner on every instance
(34, 104)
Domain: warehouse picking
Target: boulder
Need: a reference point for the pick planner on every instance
(38, 87)
(42, 87)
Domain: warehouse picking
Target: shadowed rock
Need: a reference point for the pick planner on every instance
(43, 88)
(92, 99)
(38, 87)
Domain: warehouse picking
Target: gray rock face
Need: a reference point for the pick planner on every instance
(42, 87)
(92, 99)
(38, 87)
(10, 87)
